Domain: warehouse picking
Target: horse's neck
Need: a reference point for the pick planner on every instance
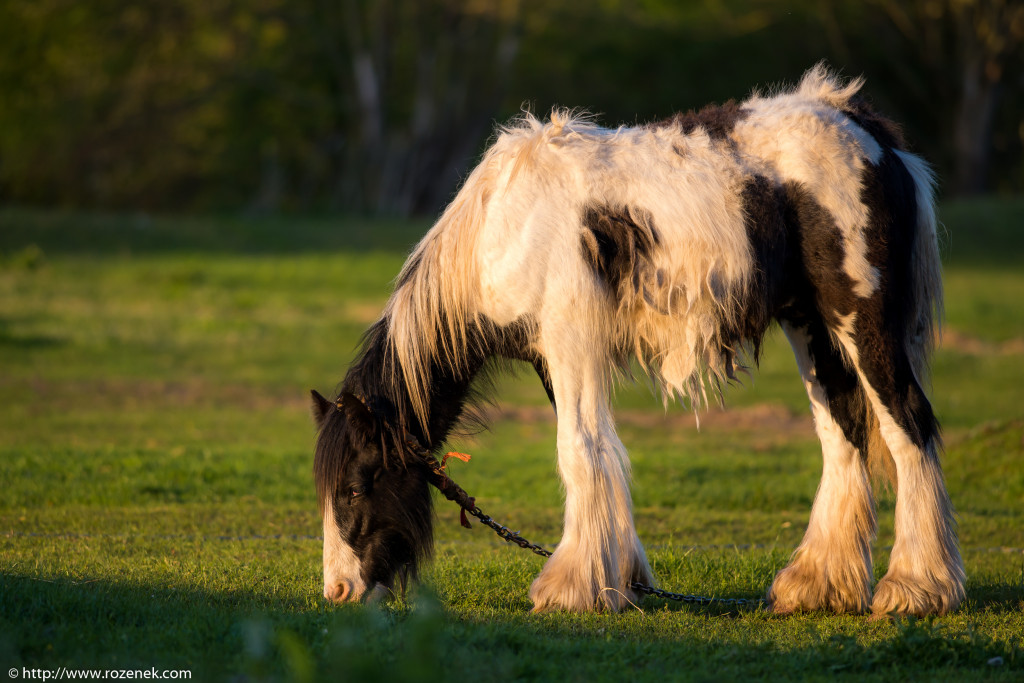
(374, 377)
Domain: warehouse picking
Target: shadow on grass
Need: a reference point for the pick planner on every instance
(240, 635)
(995, 597)
(991, 598)
(31, 342)
(124, 625)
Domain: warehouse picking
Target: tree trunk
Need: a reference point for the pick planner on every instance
(973, 128)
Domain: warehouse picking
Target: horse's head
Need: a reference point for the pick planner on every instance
(374, 498)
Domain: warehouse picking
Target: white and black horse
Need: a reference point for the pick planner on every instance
(577, 248)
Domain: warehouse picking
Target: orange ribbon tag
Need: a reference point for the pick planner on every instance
(464, 457)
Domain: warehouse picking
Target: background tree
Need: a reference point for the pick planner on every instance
(967, 55)
(380, 106)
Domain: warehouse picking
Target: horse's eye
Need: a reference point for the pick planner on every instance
(356, 491)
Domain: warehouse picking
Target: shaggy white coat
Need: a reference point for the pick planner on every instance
(509, 248)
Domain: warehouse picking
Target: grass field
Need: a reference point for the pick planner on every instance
(157, 508)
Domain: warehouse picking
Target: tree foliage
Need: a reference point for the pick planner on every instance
(381, 105)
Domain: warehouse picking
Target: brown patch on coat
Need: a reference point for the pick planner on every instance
(718, 120)
(617, 244)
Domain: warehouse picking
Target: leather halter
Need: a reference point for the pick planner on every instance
(438, 478)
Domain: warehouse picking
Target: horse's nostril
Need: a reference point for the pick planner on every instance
(339, 592)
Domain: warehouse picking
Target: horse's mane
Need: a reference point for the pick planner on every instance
(432, 315)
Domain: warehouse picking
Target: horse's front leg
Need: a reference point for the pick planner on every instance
(600, 554)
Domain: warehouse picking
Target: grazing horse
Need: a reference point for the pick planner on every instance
(577, 248)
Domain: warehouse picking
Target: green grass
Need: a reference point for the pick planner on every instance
(157, 509)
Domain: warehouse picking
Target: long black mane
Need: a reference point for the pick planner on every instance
(454, 389)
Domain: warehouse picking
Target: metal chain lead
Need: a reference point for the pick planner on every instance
(510, 536)
(507, 534)
(455, 493)
(695, 599)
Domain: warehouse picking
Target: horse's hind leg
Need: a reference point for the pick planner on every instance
(926, 574)
(831, 569)
(600, 554)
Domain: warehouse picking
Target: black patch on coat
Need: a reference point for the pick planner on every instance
(847, 402)
(718, 120)
(819, 284)
(764, 219)
(817, 288)
(883, 320)
(819, 292)
(617, 243)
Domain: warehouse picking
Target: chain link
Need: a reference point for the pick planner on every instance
(695, 599)
(507, 534)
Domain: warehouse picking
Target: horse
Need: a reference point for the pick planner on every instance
(666, 249)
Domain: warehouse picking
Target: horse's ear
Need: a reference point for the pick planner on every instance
(321, 407)
(359, 416)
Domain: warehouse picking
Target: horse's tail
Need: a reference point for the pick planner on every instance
(923, 325)
(924, 321)
(430, 314)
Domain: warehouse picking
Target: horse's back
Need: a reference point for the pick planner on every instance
(673, 242)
